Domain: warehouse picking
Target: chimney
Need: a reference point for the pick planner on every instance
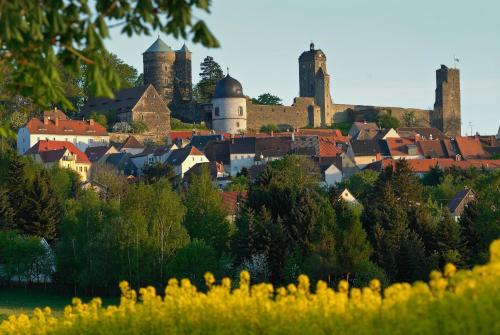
(45, 120)
(91, 122)
(378, 157)
(56, 121)
(430, 137)
(272, 133)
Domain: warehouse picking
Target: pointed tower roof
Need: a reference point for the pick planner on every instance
(184, 49)
(158, 46)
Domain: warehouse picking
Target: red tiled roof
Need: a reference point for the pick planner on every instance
(66, 127)
(230, 200)
(470, 147)
(328, 147)
(399, 146)
(321, 132)
(44, 146)
(424, 165)
(433, 149)
(195, 152)
(186, 134)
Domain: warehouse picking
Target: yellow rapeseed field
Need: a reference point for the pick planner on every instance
(453, 302)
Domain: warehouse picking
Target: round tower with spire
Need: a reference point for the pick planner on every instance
(158, 62)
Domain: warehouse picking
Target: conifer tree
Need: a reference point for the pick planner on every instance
(448, 239)
(469, 235)
(210, 74)
(43, 209)
(412, 261)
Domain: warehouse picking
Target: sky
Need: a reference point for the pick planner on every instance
(382, 52)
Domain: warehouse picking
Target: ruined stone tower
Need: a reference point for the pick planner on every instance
(446, 114)
(169, 72)
(314, 81)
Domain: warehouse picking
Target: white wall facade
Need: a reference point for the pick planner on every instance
(229, 115)
(239, 161)
(189, 162)
(25, 140)
(332, 175)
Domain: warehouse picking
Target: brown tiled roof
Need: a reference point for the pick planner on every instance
(433, 149)
(54, 114)
(52, 155)
(124, 101)
(95, 153)
(423, 132)
(66, 127)
(470, 148)
(43, 145)
(272, 147)
(131, 143)
(424, 165)
(399, 146)
(230, 200)
(458, 199)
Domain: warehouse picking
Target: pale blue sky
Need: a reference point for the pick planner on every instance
(381, 52)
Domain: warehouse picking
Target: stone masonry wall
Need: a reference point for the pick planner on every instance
(301, 114)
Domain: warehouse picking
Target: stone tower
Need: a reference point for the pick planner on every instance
(169, 72)
(314, 81)
(183, 88)
(446, 115)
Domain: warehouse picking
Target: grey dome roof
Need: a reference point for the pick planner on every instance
(228, 87)
(158, 46)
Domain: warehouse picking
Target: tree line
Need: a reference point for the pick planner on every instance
(287, 224)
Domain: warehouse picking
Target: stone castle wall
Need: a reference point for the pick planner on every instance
(350, 113)
(152, 111)
(302, 113)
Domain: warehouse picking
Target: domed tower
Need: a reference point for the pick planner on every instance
(229, 111)
(159, 69)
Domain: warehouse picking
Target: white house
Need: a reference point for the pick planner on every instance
(332, 175)
(81, 133)
(347, 196)
(161, 154)
(241, 154)
(132, 146)
(146, 157)
(185, 158)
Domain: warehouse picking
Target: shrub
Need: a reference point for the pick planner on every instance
(138, 127)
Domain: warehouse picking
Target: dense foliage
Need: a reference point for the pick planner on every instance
(267, 99)
(463, 302)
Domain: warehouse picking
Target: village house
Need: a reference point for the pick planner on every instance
(121, 161)
(55, 126)
(184, 159)
(367, 152)
(137, 104)
(403, 148)
(61, 154)
(132, 146)
(99, 154)
(460, 201)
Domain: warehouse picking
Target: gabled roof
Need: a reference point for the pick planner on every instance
(95, 153)
(369, 148)
(434, 149)
(55, 113)
(65, 127)
(42, 146)
(200, 141)
(52, 155)
(149, 150)
(116, 159)
(272, 147)
(131, 143)
(459, 197)
(245, 145)
(329, 147)
(178, 156)
(165, 149)
(230, 200)
(218, 151)
(213, 167)
(125, 100)
(158, 46)
(470, 147)
(425, 133)
(399, 146)
(425, 165)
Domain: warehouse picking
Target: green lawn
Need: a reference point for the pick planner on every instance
(18, 300)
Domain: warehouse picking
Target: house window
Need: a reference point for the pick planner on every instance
(85, 169)
(240, 111)
(216, 111)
